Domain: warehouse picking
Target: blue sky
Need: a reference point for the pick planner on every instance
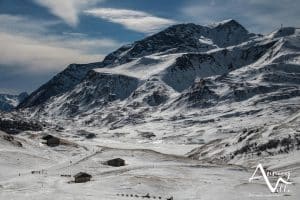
(41, 37)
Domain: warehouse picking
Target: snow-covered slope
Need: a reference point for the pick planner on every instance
(36, 171)
(188, 84)
(8, 102)
(271, 87)
(95, 91)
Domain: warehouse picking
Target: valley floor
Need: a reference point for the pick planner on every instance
(160, 170)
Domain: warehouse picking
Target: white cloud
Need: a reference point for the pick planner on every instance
(68, 10)
(83, 43)
(131, 19)
(33, 50)
(16, 23)
(31, 55)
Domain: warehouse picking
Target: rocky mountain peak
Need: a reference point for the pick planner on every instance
(188, 37)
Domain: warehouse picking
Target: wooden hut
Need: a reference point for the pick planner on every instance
(117, 162)
(53, 142)
(82, 177)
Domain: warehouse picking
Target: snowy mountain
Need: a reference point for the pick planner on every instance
(180, 38)
(212, 84)
(191, 110)
(8, 102)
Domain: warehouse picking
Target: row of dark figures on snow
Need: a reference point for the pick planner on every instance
(147, 196)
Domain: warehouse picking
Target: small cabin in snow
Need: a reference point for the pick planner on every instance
(53, 142)
(82, 177)
(117, 162)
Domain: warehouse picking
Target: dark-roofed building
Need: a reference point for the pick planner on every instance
(117, 162)
(47, 137)
(53, 142)
(82, 177)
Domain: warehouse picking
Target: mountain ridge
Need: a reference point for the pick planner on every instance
(208, 95)
(181, 36)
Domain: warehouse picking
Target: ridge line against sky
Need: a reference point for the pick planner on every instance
(41, 37)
